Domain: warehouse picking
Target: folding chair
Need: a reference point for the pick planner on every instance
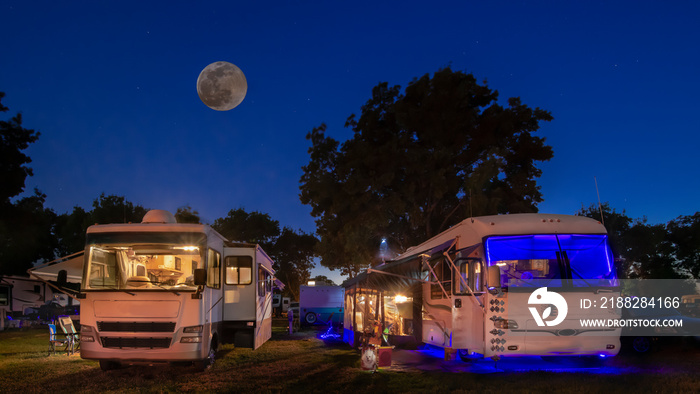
(71, 334)
(54, 340)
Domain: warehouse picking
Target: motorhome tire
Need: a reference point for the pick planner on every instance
(203, 365)
(641, 344)
(464, 355)
(311, 318)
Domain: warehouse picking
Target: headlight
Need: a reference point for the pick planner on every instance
(191, 340)
(193, 329)
(505, 324)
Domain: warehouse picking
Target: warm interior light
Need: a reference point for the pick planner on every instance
(187, 248)
(400, 299)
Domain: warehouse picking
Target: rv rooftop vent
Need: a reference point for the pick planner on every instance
(158, 216)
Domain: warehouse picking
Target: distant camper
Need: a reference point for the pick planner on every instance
(321, 304)
(280, 304)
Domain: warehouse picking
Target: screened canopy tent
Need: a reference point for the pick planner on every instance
(387, 297)
(72, 264)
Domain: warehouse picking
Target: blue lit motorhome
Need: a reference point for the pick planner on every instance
(161, 291)
(472, 289)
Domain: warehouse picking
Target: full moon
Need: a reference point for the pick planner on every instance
(221, 86)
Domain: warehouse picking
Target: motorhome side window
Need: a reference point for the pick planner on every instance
(470, 274)
(239, 270)
(213, 269)
(261, 281)
(264, 281)
(441, 280)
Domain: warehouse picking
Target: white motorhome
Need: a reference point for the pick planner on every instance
(161, 291)
(493, 286)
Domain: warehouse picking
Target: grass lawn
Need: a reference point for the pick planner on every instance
(304, 363)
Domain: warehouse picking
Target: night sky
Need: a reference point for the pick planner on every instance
(111, 87)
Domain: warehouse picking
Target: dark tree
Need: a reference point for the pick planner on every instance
(293, 253)
(419, 162)
(253, 227)
(27, 236)
(650, 251)
(684, 235)
(70, 231)
(187, 215)
(115, 209)
(322, 280)
(26, 227)
(13, 140)
(618, 226)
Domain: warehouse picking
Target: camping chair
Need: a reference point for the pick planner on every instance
(71, 334)
(54, 340)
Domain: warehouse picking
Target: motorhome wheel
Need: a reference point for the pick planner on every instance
(641, 344)
(203, 365)
(311, 318)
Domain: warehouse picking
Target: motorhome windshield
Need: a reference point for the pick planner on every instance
(560, 260)
(143, 261)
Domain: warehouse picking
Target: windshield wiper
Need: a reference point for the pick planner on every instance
(114, 288)
(166, 288)
(520, 279)
(579, 275)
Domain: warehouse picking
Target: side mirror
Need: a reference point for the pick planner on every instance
(493, 279)
(200, 277)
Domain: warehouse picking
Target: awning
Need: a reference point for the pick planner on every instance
(73, 264)
(400, 276)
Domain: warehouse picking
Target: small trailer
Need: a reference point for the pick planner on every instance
(20, 295)
(321, 304)
(493, 286)
(162, 291)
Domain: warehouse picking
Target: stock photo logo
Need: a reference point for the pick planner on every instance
(546, 300)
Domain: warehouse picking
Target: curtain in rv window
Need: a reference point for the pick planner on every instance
(239, 270)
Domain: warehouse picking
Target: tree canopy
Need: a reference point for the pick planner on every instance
(651, 251)
(26, 227)
(292, 251)
(187, 215)
(420, 161)
(253, 227)
(14, 139)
